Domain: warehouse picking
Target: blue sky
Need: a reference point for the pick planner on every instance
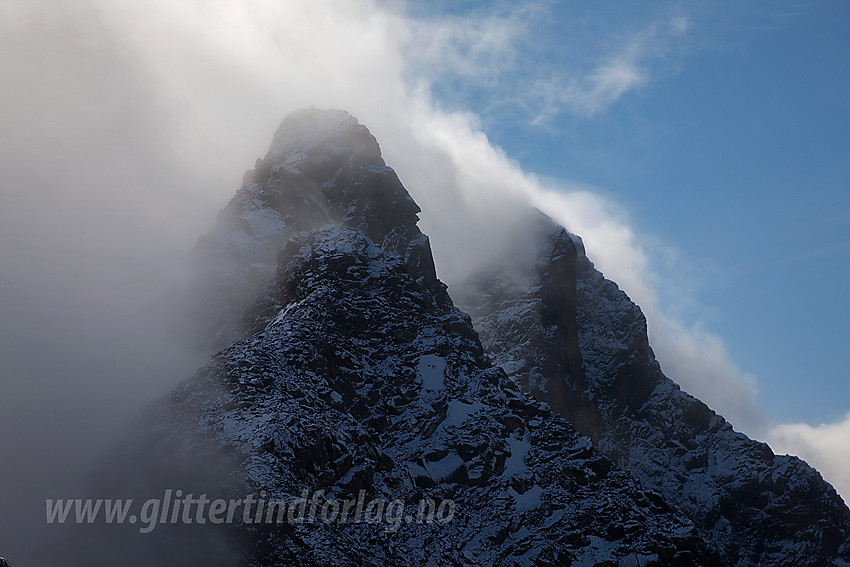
(733, 149)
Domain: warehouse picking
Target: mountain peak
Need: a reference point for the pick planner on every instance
(311, 132)
(358, 378)
(575, 340)
(323, 168)
(345, 365)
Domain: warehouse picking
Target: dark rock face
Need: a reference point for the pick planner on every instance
(355, 372)
(344, 367)
(756, 507)
(367, 379)
(527, 311)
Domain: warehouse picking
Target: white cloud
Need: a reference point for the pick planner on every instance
(479, 47)
(825, 447)
(595, 92)
(698, 360)
(626, 68)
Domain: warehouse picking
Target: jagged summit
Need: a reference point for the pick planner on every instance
(323, 167)
(575, 340)
(343, 365)
(352, 370)
(312, 132)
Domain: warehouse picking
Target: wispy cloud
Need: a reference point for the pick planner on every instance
(499, 55)
(627, 67)
(481, 47)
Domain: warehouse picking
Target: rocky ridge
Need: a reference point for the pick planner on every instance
(356, 372)
(366, 379)
(343, 365)
(588, 355)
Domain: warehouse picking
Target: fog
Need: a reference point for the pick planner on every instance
(127, 126)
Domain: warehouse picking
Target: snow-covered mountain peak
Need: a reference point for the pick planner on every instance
(322, 168)
(360, 379)
(576, 341)
(343, 365)
(311, 132)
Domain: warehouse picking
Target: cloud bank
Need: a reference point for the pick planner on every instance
(127, 126)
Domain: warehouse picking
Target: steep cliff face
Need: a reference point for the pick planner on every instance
(756, 507)
(526, 313)
(357, 373)
(367, 380)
